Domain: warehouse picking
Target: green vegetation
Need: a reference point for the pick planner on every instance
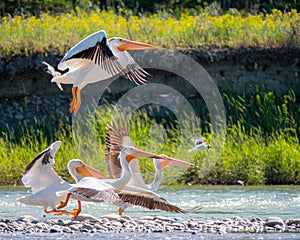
(35, 7)
(263, 149)
(30, 35)
(262, 139)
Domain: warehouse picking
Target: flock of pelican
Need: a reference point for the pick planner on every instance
(123, 187)
(93, 59)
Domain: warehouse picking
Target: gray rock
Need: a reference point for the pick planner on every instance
(55, 229)
(272, 221)
(3, 225)
(84, 217)
(88, 227)
(27, 218)
(293, 221)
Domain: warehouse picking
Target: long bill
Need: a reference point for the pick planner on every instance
(132, 45)
(89, 171)
(142, 154)
(175, 162)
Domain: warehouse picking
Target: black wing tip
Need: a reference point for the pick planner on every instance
(45, 159)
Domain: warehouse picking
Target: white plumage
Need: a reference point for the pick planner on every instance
(200, 145)
(44, 182)
(95, 59)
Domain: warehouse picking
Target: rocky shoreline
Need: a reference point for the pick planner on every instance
(87, 224)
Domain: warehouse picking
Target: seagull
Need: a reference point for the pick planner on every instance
(44, 182)
(97, 58)
(200, 144)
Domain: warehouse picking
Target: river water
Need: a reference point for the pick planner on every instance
(216, 202)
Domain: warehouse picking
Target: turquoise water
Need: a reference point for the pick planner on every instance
(216, 202)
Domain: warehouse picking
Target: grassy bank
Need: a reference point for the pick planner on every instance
(261, 145)
(58, 33)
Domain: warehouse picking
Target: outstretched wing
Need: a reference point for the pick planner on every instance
(198, 140)
(39, 173)
(93, 189)
(94, 48)
(149, 200)
(134, 72)
(117, 137)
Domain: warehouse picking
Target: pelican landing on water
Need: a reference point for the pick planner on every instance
(97, 58)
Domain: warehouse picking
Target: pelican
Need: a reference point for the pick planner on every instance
(111, 190)
(137, 192)
(97, 58)
(200, 144)
(116, 139)
(44, 182)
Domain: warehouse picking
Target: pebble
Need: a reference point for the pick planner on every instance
(147, 224)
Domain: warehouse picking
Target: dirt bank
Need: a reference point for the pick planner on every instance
(27, 96)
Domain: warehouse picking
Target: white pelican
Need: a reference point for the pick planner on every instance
(137, 192)
(118, 137)
(44, 182)
(97, 58)
(111, 190)
(200, 144)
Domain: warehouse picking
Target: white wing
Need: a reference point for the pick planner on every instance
(133, 71)
(198, 140)
(96, 49)
(39, 174)
(46, 197)
(54, 74)
(93, 189)
(87, 43)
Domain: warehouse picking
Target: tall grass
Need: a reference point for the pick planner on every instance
(261, 145)
(58, 33)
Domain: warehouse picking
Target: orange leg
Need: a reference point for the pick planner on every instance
(58, 212)
(121, 210)
(64, 203)
(76, 211)
(77, 102)
(74, 89)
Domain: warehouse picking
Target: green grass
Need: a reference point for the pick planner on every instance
(48, 33)
(251, 152)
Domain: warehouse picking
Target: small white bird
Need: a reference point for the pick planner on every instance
(200, 144)
(97, 58)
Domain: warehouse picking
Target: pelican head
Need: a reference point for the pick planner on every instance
(160, 163)
(78, 168)
(125, 44)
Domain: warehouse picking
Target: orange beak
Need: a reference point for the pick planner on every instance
(142, 154)
(131, 45)
(174, 162)
(90, 172)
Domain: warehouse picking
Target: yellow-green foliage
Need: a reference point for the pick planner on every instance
(49, 33)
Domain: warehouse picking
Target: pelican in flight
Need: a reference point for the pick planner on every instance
(200, 145)
(97, 58)
(115, 190)
(118, 137)
(44, 182)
